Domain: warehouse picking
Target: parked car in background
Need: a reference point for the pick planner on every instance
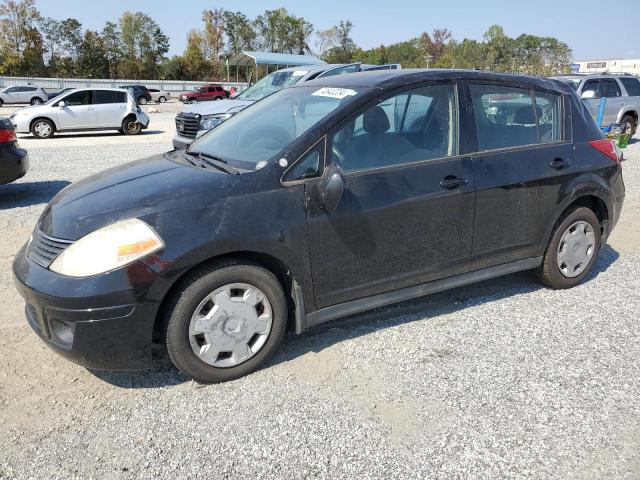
(197, 120)
(159, 96)
(55, 94)
(622, 93)
(14, 161)
(140, 93)
(204, 93)
(83, 109)
(322, 200)
(23, 94)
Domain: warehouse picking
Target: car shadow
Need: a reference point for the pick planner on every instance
(338, 331)
(24, 194)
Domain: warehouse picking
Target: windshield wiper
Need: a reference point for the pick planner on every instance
(215, 162)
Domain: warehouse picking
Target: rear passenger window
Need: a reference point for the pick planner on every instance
(609, 88)
(504, 116)
(549, 112)
(632, 85)
(416, 125)
(108, 96)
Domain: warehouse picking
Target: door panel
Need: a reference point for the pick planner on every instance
(110, 108)
(406, 213)
(391, 229)
(78, 111)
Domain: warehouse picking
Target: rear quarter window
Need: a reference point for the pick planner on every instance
(632, 86)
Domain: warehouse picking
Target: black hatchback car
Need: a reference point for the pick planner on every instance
(320, 201)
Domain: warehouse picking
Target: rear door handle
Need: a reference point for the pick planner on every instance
(559, 163)
(450, 182)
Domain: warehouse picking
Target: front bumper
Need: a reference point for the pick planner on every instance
(102, 322)
(180, 141)
(14, 163)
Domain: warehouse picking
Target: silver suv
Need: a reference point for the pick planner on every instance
(622, 93)
(23, 94)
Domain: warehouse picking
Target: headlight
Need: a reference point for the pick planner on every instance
(207, 122)
(108, 248)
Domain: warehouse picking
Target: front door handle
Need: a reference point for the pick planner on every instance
(559, 163)
(451, 181)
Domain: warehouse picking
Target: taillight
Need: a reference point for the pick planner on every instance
(8, 136)
(608, 148)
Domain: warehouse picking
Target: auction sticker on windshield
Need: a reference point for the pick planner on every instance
(299, 73)
(338, 93)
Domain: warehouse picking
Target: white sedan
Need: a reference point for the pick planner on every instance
(81, 110)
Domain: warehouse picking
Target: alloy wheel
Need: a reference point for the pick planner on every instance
(230, 325)
(575, 249)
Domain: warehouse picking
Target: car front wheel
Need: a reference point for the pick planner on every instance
(193, 100)
(36, 101)
(225, 322)
(162, 100)
(572, 250)
(43, 128)
(629, 124)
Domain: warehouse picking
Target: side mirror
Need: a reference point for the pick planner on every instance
(62, 104)
(588, 94)
(331, 188)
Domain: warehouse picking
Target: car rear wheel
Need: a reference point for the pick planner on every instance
(43, 128)
(36, 101)
(629, 123)
(572, 250)
(1, 102)
(162, 100)
(225, 322)
(131, 127)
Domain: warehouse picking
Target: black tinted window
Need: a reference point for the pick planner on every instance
(632, 85)
(592, 85)
(549, 108)
(609, 88)
(78, 98)
(308, 166)
(109, 96)
(504, 116)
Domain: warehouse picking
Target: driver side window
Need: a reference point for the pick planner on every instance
(415, 125)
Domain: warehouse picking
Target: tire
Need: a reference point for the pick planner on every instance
(630, 121)
(550, 272)
(1, 102)
(192, 100)
(42, 128)
(142, 100)
(183, 344)
(162, 100)
(217, 98)
(131, 127)
(36, 101)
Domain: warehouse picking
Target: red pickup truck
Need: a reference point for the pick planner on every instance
(204, 93)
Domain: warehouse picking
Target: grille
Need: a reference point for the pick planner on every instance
(44, 249)
(187, 124)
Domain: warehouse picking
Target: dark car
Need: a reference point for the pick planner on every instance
(14, 161)
(320, 201)
(140, 93)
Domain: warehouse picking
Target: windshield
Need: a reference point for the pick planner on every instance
(264, 129)
(272, 83)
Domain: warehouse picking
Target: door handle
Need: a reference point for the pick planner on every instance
(559, 163)
(451, 181)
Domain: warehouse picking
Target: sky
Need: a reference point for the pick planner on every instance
(597, 34)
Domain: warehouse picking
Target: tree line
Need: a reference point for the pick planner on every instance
(135, 46)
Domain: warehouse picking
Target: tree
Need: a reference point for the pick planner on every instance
(277, 31)
(174, 69)
(52, 40)
(32, 56)
(71, 37)
(17, 20)
(239, 32)
(325, 41)
(144, 45)
(195, 62)
(92, 59)
(344, 51)
(111, 39)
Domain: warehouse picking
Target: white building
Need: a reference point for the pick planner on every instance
(609, 66)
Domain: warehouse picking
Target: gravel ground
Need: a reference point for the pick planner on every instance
(503, 379)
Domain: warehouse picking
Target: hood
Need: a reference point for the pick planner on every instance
(218, 106)
(156, 190)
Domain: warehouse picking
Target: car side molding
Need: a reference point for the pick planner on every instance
(368, 303)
